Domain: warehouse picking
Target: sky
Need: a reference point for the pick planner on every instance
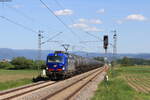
(21, 20)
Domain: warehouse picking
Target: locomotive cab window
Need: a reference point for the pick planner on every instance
(55, 59)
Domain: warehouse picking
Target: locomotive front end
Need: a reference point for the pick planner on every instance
(56, 64)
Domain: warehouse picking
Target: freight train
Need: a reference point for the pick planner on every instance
(63, 65)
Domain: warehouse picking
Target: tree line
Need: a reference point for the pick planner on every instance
(126, 61)
(24, 63)
(21, 63)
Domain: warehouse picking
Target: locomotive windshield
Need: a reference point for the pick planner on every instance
(55, 59)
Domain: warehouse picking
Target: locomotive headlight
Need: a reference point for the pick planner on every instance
(63, 68)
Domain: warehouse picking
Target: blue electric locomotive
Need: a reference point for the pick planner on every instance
(57, 62)
(61, 64)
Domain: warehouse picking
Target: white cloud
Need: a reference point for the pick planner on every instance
(79, 25)
(63, 12)
(136, 17)
(100, 11)
(90, 21)
(95, 21)
(17, 6)
(82, 20)
(85, 27)
(93, 29)
(132, 17)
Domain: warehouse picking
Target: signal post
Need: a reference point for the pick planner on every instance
(105, 46)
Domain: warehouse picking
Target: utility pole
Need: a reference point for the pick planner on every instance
(39, 44)
(39, 49)
(115, 43)
(114, 47)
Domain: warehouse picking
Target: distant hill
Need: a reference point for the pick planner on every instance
(32, 54)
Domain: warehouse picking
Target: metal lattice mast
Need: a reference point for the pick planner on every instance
(39, 44)
(114, 48)
(39, 50)
(115, 44)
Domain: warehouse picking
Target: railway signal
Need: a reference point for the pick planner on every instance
(105, 45)
(105, 41)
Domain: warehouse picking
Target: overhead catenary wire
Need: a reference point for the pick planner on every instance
(18, 24)
(98, 38)
(33, 20)
(59, 19)
(71, 19)
(56, 1)
(19, 12)
(94, 36)
(86, 32)
(52, 37)
(27, 28)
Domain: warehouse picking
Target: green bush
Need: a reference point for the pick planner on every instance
(6, 65)
(24, 63)
(21, 63)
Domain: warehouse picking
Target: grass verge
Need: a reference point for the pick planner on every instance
(14, 83)
(117, 88)
(15, 78)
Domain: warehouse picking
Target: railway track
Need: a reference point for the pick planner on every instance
(68, 92)
(51, 90)
(10, 94)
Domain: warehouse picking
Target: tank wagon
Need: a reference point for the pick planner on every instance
(62, 65)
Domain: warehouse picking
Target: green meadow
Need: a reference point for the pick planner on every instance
(117, 88)
(14, 78)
